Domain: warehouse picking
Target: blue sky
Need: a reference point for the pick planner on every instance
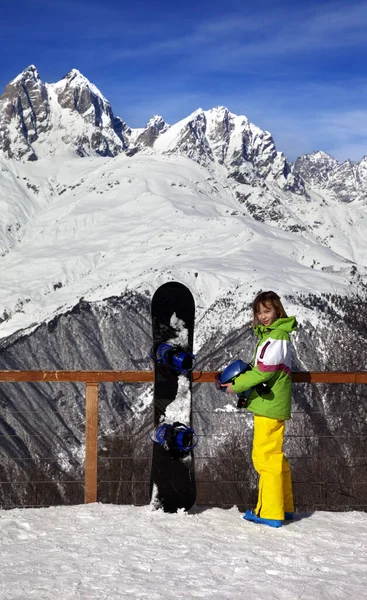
(297, 69)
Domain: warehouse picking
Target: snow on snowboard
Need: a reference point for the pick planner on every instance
(172, 481)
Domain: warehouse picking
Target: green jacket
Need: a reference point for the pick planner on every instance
(271, 365)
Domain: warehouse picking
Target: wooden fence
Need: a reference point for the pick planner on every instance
(93, 378)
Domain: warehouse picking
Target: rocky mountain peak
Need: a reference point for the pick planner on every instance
(75, 80)
(146, 137)
(75, 74)
(158, 123)
(219, 128)
(101, 132)
(39, 119)
(26, 76)
(219, 136)
(75, 92)
(49, 118)
(25, 105)
(346, 180)
(187, 137)
(319, 156)
(316, 167)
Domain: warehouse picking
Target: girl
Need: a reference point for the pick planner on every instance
(272, 364)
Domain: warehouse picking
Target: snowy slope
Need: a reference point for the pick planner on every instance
(95, 228)
(113, 552)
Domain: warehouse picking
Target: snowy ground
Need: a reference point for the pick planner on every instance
(114, 552)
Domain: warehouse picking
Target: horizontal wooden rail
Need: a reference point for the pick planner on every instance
(77, 376)
(93, 378)
(329, 377)
(148, 376)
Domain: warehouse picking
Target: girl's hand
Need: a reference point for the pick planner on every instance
(229, 389)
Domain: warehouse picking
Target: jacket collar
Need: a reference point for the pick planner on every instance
(287, 324)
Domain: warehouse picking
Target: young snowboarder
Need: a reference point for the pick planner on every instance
(271, 408)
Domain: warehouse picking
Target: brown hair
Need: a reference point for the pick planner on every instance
(268, 298)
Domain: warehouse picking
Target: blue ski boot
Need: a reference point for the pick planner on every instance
(250, 515)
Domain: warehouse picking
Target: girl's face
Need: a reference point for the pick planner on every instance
(266, 314)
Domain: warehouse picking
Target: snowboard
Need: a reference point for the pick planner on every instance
(172, 481)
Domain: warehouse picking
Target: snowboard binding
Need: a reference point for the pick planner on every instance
(230, 373)
(173, 357)
(178, 439)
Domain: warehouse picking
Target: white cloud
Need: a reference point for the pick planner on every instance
(237, 40)
(346, 124)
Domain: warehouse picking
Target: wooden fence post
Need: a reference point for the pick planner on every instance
(91, 442)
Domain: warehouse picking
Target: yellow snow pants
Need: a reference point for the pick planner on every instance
(275, 483)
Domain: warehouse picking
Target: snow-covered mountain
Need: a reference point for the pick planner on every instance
(346, 180)
(213, 176)
(39, 119)
(95, 215)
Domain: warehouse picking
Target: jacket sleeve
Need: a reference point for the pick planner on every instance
(271, 357)
(250, 379)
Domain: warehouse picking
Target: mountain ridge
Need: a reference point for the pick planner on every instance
(28, 103)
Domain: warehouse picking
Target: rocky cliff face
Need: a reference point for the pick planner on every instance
(346, 180)
(42, 426)
(145, 138)
(38, 119)
(218, 136)
(24, 114)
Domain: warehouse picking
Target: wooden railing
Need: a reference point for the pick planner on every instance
(93, 378)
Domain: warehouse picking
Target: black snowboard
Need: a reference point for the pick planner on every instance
(172, 481)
